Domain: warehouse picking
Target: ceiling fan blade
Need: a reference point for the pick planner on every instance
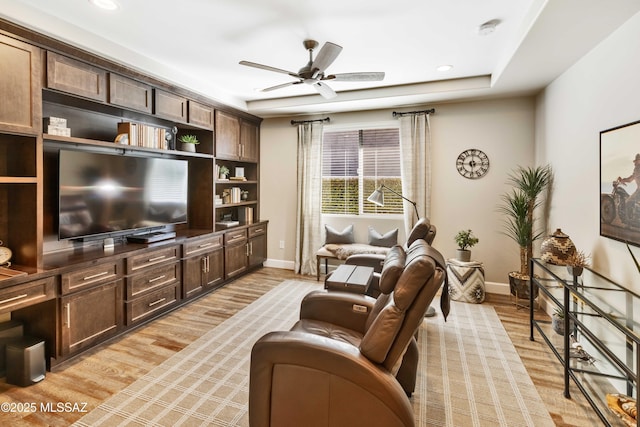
(355, 77)
(324, 90)
(268, 68)
(326, 56)
(280, 86)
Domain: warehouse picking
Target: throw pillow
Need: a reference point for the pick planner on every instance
(334, 236)
(387, 240)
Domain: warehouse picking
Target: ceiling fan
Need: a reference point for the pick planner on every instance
(314, 72)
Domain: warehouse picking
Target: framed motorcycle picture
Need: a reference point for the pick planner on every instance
(620, 183)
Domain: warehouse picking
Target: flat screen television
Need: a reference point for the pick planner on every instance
(112, 195)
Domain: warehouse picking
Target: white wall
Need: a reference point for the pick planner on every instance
(599, 92)
(504, 129)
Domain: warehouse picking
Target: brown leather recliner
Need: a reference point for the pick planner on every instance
(423, 229)
(337, 366)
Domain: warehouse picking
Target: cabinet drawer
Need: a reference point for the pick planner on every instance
(129, 93)
(256, 230)
(200, 114)
(151, 258)
(152, 279)
(200, 246)
(26, 294)
(235, 237)
(171, 106)
(97, 274)
(76, 77)
(145, 306)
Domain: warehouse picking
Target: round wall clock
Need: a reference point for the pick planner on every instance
(472, 163)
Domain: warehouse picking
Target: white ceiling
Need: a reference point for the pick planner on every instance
(198, 44)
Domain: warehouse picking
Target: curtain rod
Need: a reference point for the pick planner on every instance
(299, 122)
(431, 111)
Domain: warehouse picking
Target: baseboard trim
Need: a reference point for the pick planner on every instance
(279, 263)
(490, 287)
(497, 288)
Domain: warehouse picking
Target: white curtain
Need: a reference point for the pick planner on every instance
(415, 166)
(308, 221)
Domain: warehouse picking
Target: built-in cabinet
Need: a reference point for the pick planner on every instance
(20, 154)
(76, 294)
(203, 264)
(90, 305)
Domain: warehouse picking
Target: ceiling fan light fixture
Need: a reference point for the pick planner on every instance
(488, 27)
(444, 67)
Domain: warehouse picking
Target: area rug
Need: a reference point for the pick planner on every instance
(470, 374)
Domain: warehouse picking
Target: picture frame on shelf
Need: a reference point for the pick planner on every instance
(239, 172)
(620, 183)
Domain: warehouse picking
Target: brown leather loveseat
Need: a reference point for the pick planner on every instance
(337, 366)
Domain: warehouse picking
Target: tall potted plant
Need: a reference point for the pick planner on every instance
(519, 206)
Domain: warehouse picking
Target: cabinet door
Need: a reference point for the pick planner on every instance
(235, 259)
(194, 271)
(200, 114)
(21, 106)
(91, 316)
(227, 136)
(76, 77)
(257, 250)
(215, 268)
(249, 146)
(129, 93)
(171, 106)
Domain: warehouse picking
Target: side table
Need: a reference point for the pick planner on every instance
(350, 278)
(466, 281)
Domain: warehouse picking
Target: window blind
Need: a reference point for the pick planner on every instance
(354, 164)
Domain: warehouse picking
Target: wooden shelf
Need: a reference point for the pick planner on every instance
(232, 205)
(18, 180)
(235, 182)
(94, 142)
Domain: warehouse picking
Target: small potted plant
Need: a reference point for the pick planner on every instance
(557, 321)
(465, 240)
(189, 142)
(224, 172)
(576, 263)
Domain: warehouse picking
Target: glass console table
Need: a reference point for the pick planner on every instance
(599, 349)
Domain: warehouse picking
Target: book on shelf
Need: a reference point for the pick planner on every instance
(237, 178)
(142, 135)
(245, 215)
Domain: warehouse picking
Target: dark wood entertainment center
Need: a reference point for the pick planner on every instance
(76, 294)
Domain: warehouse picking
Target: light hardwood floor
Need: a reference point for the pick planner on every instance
(98, 374)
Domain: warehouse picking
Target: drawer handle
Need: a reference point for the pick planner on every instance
(259, 230)
(151, 304)
(95, 276)
(239, 236)
(205, 245)
(157, 278)
(158, 258)
(14, 298)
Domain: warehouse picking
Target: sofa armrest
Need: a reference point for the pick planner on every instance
(367, 260)
(344, 309)
(296, 378)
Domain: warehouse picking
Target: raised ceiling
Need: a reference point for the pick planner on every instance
(198, 44)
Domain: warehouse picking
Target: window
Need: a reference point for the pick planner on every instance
(354, 164)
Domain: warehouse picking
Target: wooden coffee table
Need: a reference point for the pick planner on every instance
(350, 278)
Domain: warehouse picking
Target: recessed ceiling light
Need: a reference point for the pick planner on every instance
(105, 4)
(488, 27)
(445, 67)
